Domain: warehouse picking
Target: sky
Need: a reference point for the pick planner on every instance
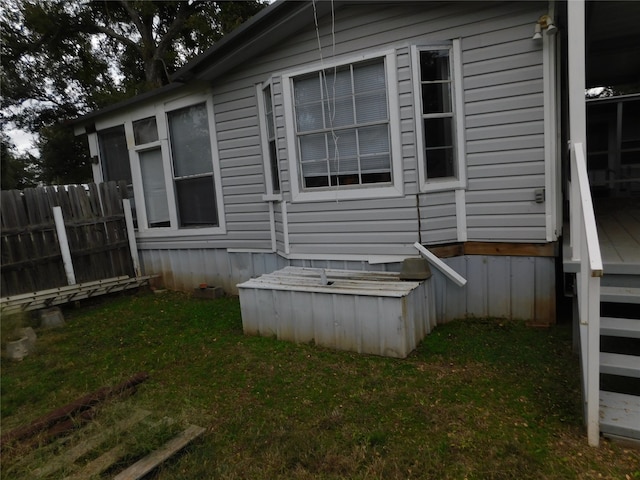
(23, 141)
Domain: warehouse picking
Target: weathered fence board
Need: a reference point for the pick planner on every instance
(96, 231)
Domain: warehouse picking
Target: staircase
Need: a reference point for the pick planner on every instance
(620, 356)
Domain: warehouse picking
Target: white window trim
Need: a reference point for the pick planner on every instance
(395, 189)
(161, 111)
(270, 195)
(215, 158)
(439, 184)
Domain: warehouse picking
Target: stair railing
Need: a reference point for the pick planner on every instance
(585, 248)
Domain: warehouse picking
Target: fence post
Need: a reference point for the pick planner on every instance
(131, 235)
(64, 245)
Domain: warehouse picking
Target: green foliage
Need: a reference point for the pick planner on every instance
(64, 157)
(479, 399)
(16, 171)
(61, 58)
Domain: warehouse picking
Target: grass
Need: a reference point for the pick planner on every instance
(479, 399)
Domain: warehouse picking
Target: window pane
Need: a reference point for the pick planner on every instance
(153, 185)
(344, 145)
(268, 107)
(307, 89)
(371, 107)
(314, 182)
(440, 162)
(345, 165)
(190, 141)
(377, 163)
(275, 170)
(309, 117)
(313, 147)
(314, 169)
(434, 65)
(339, 112)
(374, 139)
(267, 100)
(369, 77)
(114, 154)
(196, 202)
(338, 83)
(436, 98)
(438, 132)
(145, 131)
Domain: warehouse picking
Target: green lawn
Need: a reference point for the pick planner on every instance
(479, 399)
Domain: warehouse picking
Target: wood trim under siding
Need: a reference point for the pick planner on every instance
(494, 248)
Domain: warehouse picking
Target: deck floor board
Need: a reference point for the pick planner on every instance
(618, 222)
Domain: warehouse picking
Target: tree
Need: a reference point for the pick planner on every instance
(63, 58)
(16, 171)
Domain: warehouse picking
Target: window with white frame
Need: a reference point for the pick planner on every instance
(192, 160)
(114, 156)
(154, 191)
(439, 138)
(342, 126)
(270, 149)
(169, 153)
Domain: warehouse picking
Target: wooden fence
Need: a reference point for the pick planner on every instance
(95, 226)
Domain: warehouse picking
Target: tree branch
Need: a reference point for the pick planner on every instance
(116, 36)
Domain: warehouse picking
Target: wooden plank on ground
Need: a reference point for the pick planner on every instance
(151, 461)
(100, 464)
(74, 453)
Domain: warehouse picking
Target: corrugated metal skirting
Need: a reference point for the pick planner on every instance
(498, 286)
(364, 312)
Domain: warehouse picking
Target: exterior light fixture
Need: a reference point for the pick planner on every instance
(537, 35)
(545, 22)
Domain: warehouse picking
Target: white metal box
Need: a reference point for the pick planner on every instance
(364, 312)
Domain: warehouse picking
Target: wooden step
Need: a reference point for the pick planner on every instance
(620, 327)
(620, 294)
(620, 414)
(618, 364)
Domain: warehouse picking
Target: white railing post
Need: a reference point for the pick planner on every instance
(131, 235)
(64, 245)
(587, 250)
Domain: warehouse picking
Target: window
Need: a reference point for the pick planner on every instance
(342, 126)
(168, 155)
(193, 166)
(114, 156)
(145, 131)
(153, 188)
(145, 134)
(439, 142)
(270, 150)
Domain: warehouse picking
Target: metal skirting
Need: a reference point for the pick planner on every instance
(365, 312)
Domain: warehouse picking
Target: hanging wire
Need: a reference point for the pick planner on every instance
(331, 100)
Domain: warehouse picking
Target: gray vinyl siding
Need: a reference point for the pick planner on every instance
(505, 135)
(503, 118)
(501, 64)
(438, 221)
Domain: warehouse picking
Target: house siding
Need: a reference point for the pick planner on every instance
(504, 137)
(504, 156)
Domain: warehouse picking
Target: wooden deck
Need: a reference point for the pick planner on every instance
(618, 222)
